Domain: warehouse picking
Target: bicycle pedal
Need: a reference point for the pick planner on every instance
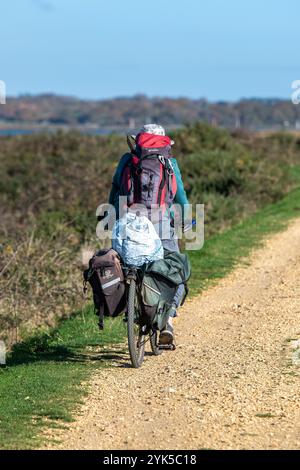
(167, 347)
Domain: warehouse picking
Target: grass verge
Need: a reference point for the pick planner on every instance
(41, 386)
(222, 252)
(42, 382)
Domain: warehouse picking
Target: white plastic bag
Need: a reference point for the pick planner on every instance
(136, 240)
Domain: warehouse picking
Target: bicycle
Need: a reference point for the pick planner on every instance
(137, 330)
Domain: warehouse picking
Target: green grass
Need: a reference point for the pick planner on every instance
(222, 252)
(41, 384)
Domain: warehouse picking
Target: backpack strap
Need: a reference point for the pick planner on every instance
(134, 186)
(170, 171)
(131, 143)
(163, 179)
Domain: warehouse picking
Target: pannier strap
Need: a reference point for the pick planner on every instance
(151, 288)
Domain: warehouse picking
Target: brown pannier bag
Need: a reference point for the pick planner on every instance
(106, 277)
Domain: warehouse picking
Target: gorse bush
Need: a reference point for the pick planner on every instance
(51, 185)
(233, 175)
(66, 173)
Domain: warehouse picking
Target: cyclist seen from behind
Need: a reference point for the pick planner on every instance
(154, 182)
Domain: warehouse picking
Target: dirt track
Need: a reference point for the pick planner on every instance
(233, 381)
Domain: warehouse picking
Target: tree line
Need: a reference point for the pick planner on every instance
(130, 112)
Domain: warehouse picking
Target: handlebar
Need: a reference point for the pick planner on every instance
(187, 227)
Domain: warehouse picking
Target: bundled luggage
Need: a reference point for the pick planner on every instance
(160, 282)
(136, 240)
(106, 278)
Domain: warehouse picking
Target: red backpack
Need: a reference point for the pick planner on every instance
(149, 177)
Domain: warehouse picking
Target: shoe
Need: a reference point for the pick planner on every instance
(166, 335)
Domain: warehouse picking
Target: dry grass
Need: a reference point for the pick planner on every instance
(39, 282)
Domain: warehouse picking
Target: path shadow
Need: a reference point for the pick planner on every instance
(39, 349)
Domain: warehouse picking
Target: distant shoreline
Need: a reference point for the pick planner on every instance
(29, 129)
(19, 128)
(48, 113)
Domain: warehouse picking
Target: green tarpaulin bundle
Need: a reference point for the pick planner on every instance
(160, 282)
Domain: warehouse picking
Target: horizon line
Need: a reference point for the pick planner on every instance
(147, 97)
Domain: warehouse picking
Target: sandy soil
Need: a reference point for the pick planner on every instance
(233, 381)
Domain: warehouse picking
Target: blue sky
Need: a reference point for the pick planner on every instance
(217, 49)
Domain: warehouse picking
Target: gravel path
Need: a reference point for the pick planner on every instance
(233, 381)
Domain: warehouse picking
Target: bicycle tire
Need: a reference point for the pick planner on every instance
(136, 343)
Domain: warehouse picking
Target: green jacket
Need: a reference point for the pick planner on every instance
(180, 196)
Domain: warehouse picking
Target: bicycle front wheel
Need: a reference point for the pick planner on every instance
(135, 332)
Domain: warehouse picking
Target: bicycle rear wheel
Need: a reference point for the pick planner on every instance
(136, 335)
